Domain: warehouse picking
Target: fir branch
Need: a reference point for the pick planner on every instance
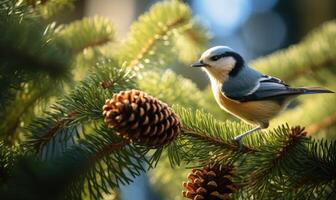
(94, 166)
(108, 149)
(317, 173)
(25, 64)
(274, 161)
(152, 41)
(152, 32)
(206, 138)
(38, 143)
(291, 63)
(82, 106)
(218, 142)
(296, 134)
(13, 115)
(30, 61)
(110, 161)
(67, 176)
(37, 53)
(87, 33)
(8, 158)
(271, 169)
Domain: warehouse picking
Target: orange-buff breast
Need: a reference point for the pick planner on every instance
(255, 112)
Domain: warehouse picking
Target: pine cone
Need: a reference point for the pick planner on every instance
(141, 118)
(210, 183)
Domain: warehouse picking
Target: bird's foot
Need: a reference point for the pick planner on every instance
(238, 139)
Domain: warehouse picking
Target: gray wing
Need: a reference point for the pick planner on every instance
(267, 87)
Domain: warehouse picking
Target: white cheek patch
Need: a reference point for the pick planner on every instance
(219, 70)
(226, 64)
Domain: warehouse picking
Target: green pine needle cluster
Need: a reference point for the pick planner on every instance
(87, 32)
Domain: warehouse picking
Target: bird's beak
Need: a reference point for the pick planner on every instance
(198, 64)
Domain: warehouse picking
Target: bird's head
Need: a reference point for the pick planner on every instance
(220, 62)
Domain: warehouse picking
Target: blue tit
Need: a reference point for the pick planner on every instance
(244, 92)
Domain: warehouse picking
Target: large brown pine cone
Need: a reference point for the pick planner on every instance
(141, 118)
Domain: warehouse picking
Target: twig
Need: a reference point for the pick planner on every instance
(51, 132)
(295, 136)
(217, 141)
(108, 149)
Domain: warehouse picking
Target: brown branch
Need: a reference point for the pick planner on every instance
(107, 150)
(324, 123)
(217, 141)
(94, 157)
(296, 135)
(61, 123)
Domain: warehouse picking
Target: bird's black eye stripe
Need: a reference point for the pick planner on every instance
(216, 57)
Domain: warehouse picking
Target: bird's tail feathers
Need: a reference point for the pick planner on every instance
(315, 90)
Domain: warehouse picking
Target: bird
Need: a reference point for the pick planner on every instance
(245, 92)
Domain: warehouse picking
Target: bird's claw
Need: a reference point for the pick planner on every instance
(239, 141)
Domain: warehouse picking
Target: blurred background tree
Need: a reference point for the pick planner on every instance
(48, 47)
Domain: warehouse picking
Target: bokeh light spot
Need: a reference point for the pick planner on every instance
(264, 32)
(223, 16)
(261, 6)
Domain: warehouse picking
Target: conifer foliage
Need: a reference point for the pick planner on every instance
(119, 112)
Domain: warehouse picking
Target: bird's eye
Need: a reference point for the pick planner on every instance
(214, 58)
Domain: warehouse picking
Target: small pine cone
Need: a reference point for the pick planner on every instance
(141, 118)
(210, 183)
